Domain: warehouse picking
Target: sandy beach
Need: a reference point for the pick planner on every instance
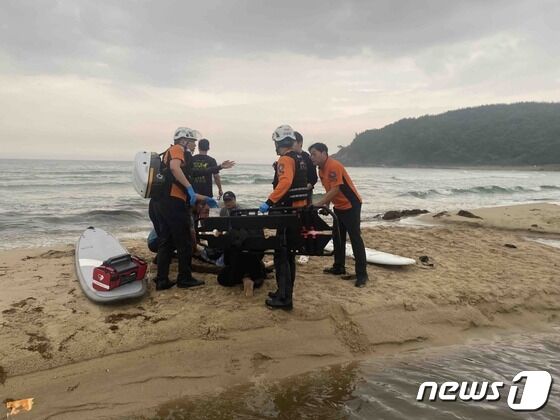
(76, 358)
(534, 218)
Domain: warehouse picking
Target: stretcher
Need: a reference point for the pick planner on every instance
(301, 230)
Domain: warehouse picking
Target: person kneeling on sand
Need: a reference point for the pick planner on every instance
(242, 268)
(215, 256)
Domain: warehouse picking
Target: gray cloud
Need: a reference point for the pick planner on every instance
(122, 75)
(169, 42)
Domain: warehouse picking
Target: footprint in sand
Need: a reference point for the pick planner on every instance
(259, 360)
(72, 388)
(10, 311)
(233, 366)
(57, 254)
(23, 302)
(116, 318)
(63, 344)
(40, 344)
(3, 376)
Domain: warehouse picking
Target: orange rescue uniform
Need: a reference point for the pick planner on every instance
(285, 169)
(176, 152)
(334, 174)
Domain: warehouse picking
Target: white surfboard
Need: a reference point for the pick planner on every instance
(145, 173)
(93, 247)
(374, 256)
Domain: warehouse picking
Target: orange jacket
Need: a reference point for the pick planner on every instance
(285, 171)
(333, 174)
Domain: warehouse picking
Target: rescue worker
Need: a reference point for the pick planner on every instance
(347, 205)
(171, 215)
(311, 168)
(290, 190)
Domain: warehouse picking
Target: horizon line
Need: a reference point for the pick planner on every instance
(98, 160)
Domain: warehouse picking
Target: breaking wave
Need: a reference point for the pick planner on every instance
(485, 189)
(246, 180)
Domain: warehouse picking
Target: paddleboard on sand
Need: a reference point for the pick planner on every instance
(376, 257)
(93, 248)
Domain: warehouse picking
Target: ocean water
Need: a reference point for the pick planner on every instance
(386, 387)
(51, 202)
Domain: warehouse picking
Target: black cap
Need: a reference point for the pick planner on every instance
(228, 195)
(203, 144)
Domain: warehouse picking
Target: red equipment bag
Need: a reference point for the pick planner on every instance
(118, 271)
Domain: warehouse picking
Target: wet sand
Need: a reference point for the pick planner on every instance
(77, 358)
(534, 218)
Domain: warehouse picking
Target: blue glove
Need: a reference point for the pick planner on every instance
(192, 195)
(264, 208)
(213, 204)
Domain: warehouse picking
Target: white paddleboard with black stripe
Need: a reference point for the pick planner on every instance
(93, 247)
(374, 256)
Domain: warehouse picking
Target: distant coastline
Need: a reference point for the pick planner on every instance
(522, 136)
(542, 168)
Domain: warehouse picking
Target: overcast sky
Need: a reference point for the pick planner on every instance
(104, 79)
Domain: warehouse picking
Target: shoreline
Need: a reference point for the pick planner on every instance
(420, 221)
(353, 374)
(532, 218)
(536, 168)
(547, 167)
(59, 348)
(76, 388)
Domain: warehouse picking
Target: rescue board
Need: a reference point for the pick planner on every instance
(374, 256)
(146, 178)
(93, 248)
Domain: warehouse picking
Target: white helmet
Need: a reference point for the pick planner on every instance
(186, 133)
(284, 132)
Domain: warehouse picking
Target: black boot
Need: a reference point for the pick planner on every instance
(185, 284)
(164, 284)
(273, 294)
(361, 281)
(277, 303)
(334, 270)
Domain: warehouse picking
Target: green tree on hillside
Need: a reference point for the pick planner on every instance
(518, 134)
